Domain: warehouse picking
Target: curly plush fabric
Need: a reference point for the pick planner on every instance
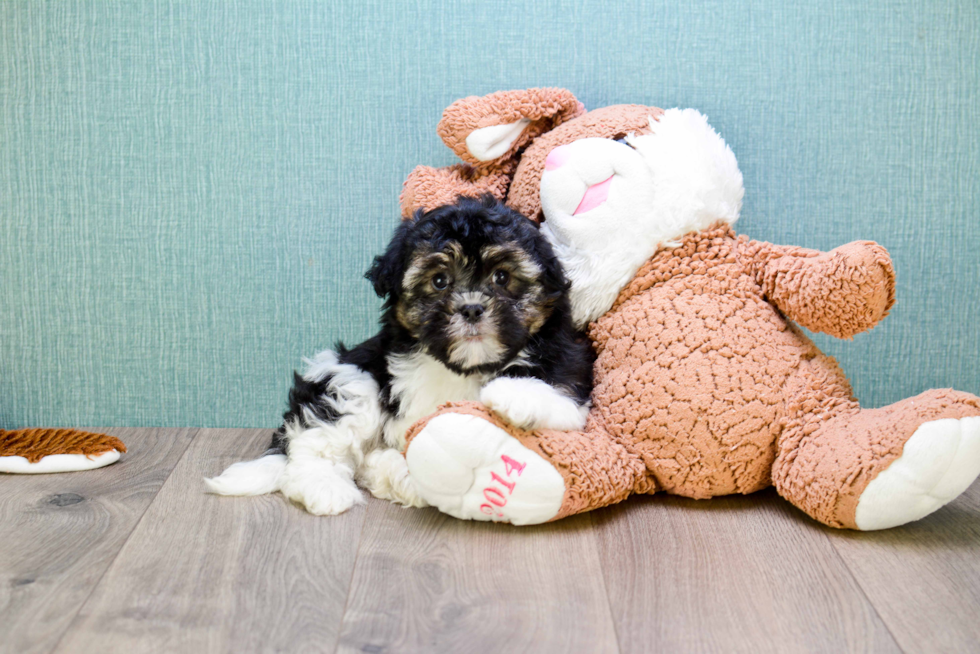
(595, 471)
(825, 292)
(428, 188)
(608, 122)
(693, 362)
(546, 108)
(830, 450)
(704, 386)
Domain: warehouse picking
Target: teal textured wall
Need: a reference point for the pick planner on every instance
(190, 191)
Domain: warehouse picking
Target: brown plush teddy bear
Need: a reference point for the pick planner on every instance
(704, 385)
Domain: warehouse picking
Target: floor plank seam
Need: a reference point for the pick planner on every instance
(605, 585)
(115, 556)
(864, 593)
(350, 579)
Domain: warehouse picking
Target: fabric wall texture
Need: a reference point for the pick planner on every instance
(191, 191)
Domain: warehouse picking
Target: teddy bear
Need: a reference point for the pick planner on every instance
(705, 385)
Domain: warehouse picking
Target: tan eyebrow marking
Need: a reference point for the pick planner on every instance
(420, 266)
(424, 263)
(512, 254)
(455, 250)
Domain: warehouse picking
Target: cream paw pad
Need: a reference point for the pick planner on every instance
(471, 469)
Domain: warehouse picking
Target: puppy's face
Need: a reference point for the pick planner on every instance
(472, 282)
(472, 304)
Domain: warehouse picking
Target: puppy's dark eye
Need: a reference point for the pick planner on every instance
(501, 277)
(440, 282)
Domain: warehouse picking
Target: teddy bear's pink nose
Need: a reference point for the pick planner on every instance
(556, 158)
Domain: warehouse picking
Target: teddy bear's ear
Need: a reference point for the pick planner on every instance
(427, 188)
(492, 128)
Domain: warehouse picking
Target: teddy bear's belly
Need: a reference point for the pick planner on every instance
(695, 381)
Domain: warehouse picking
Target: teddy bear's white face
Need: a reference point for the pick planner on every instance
(610, 205)
(595, 195)
(593, 188)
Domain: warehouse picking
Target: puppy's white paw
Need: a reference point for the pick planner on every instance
(256, 477)
(533, 404)
(385, 475)
(938, 463)
(471, 469)
(323, 488)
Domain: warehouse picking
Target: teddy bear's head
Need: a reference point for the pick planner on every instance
(610, 204)
(611, 185)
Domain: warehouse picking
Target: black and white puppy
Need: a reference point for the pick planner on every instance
(476, 308)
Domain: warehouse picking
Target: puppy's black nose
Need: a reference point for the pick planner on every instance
(471, 312)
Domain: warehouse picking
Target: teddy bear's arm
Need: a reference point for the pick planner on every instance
(842, 292)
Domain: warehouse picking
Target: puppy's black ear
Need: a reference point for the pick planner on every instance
(553, 279)
(378, 275)
(386, 271)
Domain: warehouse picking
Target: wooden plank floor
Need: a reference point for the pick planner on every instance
(137, 558)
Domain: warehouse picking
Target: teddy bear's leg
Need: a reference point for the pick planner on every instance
(469, 464)
(873, 469)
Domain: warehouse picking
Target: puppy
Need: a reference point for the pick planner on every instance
(476, 308)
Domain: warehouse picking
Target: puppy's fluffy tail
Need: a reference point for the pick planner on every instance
(258, 477)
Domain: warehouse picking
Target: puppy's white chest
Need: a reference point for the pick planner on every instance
(420, 384)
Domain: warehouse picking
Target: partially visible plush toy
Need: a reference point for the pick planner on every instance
(704, 386)
(56, 450)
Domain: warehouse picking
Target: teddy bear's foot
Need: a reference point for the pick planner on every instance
(471, 469)
(938, 463)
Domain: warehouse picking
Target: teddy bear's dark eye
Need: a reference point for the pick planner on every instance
(440, 282)
(501, 277)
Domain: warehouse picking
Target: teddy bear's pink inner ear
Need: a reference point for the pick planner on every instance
(489, 143)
